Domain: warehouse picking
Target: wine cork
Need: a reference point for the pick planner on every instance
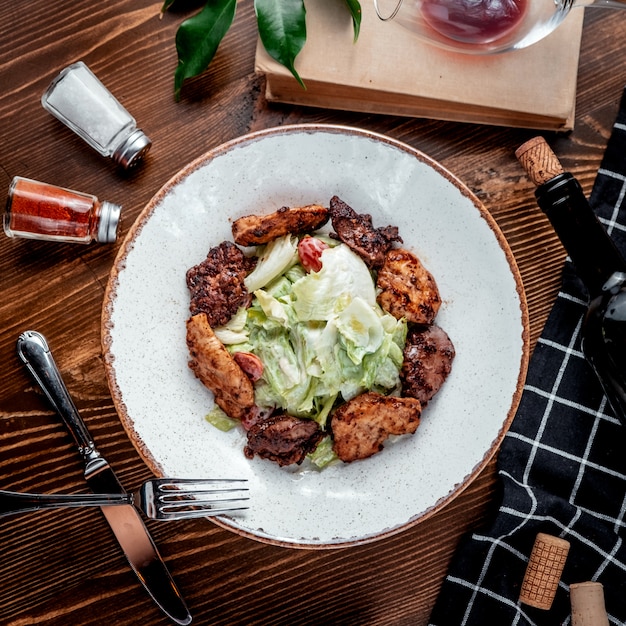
(544, 570)
(587, 601)
(537, 158)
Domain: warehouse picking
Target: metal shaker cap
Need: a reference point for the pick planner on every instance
(132, 149)
(109, 220)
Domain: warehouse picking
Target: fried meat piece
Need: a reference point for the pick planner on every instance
(356, 230)
(215, 367)
(428, 356)
(408, 289)
(253, 230)
(216, 285)
(283, 439)
(361, 426)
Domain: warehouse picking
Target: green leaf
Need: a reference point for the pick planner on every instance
(199, 36)
(282, 29)
(355, 9)
(166, 5)
(220, 420)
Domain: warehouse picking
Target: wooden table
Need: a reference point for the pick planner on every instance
(64, 567)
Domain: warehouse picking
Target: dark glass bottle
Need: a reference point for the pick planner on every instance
(602, 268)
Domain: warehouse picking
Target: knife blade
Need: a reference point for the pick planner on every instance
(125, 522)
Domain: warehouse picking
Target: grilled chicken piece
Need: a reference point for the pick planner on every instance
(361, 426)
(428, 356)
(283, 439)
(408, 289)
(216, 368)
(253, 230)
(356, 230)
(217, 284)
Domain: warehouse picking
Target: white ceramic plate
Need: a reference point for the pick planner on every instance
(162, 405)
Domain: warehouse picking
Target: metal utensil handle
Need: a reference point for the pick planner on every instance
(12, 502)
(33, 349)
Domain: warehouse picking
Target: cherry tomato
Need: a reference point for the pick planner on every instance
(310, 251)
(250, 364)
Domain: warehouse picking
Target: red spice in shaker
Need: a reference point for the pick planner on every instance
(41, 211)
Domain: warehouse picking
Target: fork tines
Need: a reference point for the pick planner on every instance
(188, 497)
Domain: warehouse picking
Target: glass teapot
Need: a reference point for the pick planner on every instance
(483, 26)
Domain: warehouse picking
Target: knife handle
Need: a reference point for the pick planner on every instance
(33, 349)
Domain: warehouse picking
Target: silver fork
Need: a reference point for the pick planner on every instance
(160, 499)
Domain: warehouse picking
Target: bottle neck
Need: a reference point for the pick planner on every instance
(585, 239)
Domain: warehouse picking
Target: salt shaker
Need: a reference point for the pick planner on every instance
(78, 99)
(36, 210)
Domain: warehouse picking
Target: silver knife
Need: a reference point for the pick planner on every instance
(125, 521)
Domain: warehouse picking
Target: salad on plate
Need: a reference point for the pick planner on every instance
(320, 345)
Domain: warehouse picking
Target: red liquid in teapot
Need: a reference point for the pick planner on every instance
(473, 21)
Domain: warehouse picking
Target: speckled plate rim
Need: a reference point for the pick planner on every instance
(135, 231)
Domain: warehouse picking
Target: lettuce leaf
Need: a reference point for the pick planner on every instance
(274, 259)
(321, 336)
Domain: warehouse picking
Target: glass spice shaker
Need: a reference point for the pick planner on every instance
(78, 99)
(38, 210)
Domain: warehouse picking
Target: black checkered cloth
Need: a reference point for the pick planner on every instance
(561, 466)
